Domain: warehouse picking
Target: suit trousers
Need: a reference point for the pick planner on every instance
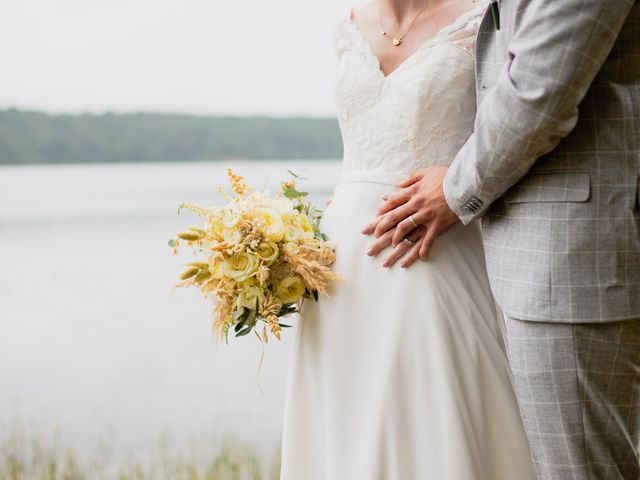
(578, 387)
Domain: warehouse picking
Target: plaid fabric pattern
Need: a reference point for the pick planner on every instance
(578, 387)
(553, 167)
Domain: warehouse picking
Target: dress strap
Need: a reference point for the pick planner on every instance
(466, 30)
(467, 22)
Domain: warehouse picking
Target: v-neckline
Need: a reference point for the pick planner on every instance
(430, 41)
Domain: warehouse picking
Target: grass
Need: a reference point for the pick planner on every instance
(28, 459)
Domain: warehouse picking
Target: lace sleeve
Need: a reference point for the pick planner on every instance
(465, 36)
(339, 39)
(341, 34)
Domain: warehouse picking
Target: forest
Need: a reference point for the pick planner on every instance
(28, 137)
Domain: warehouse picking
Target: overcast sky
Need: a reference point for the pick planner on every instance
(242, 57)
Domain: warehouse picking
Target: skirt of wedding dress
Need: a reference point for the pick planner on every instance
(401, 374)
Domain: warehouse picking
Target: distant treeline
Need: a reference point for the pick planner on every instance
(34, 137)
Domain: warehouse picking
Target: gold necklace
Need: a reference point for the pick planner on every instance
(397, 39)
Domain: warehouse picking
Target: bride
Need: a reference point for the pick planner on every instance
(402, 374)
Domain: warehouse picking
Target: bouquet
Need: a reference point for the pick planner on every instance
(261, 257)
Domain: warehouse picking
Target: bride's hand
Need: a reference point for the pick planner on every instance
(410, 250)
(419, 198)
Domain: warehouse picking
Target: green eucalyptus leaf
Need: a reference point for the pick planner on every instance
(244, 315)
(242, 333)
(252, 319)
(290, 193)
(172, 243)
(287, 308)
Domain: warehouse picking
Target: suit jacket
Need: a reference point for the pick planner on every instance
(553, 166)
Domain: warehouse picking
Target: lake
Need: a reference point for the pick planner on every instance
(96, 347)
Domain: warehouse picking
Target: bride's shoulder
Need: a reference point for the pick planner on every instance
(343, 31)
(342, 35)
(464, 30)
(361, 14)
(348, 24)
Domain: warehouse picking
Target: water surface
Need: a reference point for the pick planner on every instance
(94, 342)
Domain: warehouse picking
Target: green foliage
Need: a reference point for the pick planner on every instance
(34, 137)
(293, 193)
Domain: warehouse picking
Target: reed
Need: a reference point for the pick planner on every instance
(23, 458)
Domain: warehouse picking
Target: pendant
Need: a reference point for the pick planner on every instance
(397, 41)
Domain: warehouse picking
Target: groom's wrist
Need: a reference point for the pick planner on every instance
(466, 210)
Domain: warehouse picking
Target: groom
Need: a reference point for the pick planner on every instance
(553, 170)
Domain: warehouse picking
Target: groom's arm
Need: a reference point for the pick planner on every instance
(554, 55)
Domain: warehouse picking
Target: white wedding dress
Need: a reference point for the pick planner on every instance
(402, 374)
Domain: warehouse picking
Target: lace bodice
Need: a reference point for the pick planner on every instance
(421, 113)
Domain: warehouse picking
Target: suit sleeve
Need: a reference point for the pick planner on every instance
(554, 56)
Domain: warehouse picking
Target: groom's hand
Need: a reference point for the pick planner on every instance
(422, 197)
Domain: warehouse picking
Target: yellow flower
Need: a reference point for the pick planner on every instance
(289, 185)
(230, 219)
(289, 218)
(249, 296)
(216, 224)
(232, 235)
(305, 224)
(267, 251)
(274, 227)
(290, 289)
(281, 205)
(249, 282)
(292, 233)
(240, 266)
(215, 266)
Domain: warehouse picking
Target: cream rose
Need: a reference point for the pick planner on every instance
(215, 266)
(290, 289)
(274, 227)
(240, 266)
(267, 251)
(284, 206)
(292, 233)
(216, 224)
(249, 296)
(232, 235)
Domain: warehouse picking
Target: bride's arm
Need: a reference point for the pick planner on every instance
(554, 57)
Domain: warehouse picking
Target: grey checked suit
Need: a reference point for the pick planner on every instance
(553, 171)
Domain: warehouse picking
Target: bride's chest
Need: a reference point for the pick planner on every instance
(431, 76)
